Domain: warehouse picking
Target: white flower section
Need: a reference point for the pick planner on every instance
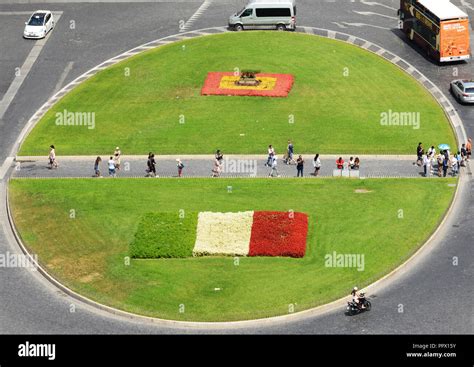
(223, 234)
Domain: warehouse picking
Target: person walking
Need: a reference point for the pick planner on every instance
(289, 153)
(271, 154)
(274, 170)
(445, 166)
(419, 154)
(216, 169)
(299, 166)
(111, 165)
(97, 167)
(463, 155)
(53, 163)
(151, 164)
(219, 156)
(432, 157)
(468, 149)
(117, 155)
(440, 160)
(454, 165)
(180, 166)
(426, 165)
(316, 165)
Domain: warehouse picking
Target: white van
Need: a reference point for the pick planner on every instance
(265, 14)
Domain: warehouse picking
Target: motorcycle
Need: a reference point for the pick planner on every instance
(354, 308)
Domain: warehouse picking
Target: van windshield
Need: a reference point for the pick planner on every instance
(239, 13)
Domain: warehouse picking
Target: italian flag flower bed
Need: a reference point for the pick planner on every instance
(272, 85)
(260, 233)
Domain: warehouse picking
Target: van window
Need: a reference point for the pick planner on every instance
(247, 12)
(273, 12)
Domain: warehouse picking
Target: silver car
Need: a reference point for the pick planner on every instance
(463, 90)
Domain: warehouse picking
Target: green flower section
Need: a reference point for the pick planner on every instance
(165, 235)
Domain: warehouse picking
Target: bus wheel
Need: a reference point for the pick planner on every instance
(281, 27)
(238, 27)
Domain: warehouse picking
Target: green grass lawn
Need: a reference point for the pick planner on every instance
(335, 106)
(88, 252)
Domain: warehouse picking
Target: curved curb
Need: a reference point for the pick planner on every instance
(445, 104)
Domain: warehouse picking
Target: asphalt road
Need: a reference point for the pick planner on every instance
(436, 297)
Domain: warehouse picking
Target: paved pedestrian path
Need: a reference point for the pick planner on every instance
(201, 166)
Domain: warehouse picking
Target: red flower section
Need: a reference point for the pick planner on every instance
(284, 83)
(278, 234)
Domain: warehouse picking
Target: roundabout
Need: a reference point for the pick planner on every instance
(89, 252)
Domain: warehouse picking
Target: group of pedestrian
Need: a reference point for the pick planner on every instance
(444, 160)
(353, 163)
(288, 159)
(151, 166)
(113, 164)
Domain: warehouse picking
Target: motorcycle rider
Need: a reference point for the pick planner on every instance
(357, 299)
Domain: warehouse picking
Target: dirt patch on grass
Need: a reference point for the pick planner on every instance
(90, 277)
(362, 191)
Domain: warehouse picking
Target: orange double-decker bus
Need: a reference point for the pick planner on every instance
(438, 26)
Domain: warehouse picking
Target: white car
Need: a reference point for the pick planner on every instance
(463, 90)
(40, 23)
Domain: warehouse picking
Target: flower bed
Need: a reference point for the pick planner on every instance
(278, 234)
(272, 85)
(165, 235)
(223, 234)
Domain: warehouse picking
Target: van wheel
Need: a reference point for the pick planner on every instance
(238, 27)
(281, 27)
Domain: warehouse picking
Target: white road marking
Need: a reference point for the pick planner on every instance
(467, 5)
(373, 3)
(370, 13)
(63, 76)
(5, 167)
(24, 70)
(365, 25)
(16, 13)
(196, 15)
(339, 25)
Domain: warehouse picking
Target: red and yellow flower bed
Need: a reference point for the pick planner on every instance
(223, 83)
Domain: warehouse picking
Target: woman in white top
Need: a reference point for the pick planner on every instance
(316, 164)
